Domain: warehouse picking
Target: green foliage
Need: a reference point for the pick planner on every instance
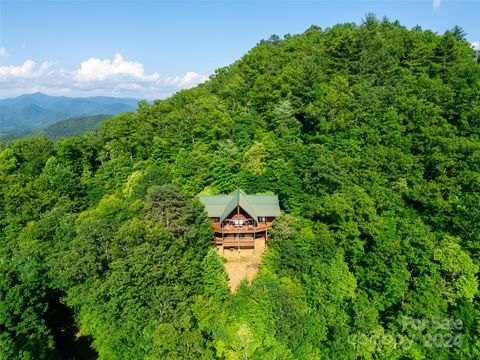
(214, 275)
(458, 270)
(368, 133)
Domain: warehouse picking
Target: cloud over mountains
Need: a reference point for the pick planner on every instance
(117, 77)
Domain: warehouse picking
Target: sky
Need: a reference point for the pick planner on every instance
(151, 49)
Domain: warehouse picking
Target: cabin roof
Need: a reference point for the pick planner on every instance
(255, 205)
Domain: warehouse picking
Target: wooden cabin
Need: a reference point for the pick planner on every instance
(240, 220)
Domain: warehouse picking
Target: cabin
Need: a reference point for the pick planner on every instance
(240, 220)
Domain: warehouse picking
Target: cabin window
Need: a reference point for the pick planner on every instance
(261, 219)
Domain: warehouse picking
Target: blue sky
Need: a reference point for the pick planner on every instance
(150, 49)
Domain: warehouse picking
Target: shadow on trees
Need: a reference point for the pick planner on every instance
(69, 343)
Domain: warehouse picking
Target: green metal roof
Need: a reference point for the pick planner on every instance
(255, 205)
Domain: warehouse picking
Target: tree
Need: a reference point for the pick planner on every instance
(214, 276)
(284, 123)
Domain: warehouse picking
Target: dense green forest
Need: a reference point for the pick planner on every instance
(368, 133)
(62, 128)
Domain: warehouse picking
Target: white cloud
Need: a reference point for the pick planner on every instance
(99, 70)
(47, 65)
(3, 52)
(436, 4)
(476, 45)
(117, 77)
(189, 79)
(25, 70)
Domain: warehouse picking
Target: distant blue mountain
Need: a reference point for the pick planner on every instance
(32, 111)
(62, 128)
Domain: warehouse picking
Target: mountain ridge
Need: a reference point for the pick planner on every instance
(31, 111)
(63, 128)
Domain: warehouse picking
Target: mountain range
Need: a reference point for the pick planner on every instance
(32, 111)
(63, 128)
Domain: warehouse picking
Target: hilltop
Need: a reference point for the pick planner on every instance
(369, 133)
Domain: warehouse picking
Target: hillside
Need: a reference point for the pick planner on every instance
(368, 133)
(62, 128)
(28, 117)
(32, 111)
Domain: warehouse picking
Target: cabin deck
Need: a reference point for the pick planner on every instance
(242, 229)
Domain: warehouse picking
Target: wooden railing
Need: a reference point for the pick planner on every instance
(242, 229)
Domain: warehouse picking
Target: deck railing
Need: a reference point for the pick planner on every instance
(234, 229)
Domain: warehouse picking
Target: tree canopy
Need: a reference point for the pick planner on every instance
(369, 133)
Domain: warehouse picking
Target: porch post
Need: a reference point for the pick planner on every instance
(266, 237)
(238, 227)
(254, 239)
(223, 243)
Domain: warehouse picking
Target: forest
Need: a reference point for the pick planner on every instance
(370, 135)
